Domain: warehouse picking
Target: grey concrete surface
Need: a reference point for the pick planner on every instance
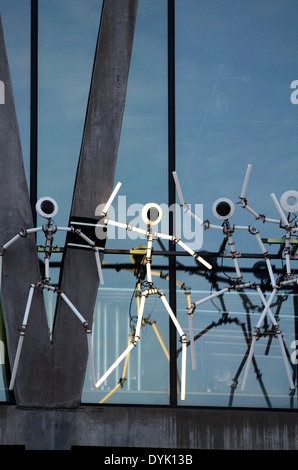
(137, 427)
(20, 262)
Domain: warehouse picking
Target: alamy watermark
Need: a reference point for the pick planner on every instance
(294, 94)
(2, 93)
(185, 228)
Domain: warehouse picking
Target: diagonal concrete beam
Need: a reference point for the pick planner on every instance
(20, 261)
(94, 183)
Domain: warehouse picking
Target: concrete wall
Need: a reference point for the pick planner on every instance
(149, 427)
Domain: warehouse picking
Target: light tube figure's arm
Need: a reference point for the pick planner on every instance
(280, 211)
(186, 209)
(110, 200)
(183, 245)
(244, 200)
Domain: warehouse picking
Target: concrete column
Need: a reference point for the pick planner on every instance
(20, 262)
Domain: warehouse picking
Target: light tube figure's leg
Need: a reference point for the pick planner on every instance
(191, 333)
(130, 346)
(287, 252)
(254, 339)
(233, 252)
(99, 267)
(123, 377)
(88, 332)
(1, 257)
(279, 336)
(183, 367)
(149, 258)
(183, 341)
(21, 337)
(267, 260)
(114, 365)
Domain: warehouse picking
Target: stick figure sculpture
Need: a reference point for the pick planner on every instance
(223, 209)
(151, 215)
(289, 202)
(47, 208)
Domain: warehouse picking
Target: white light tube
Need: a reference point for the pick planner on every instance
(65, 229)
(73, 308)
(183, 369)
(281, 344)
(244, 187)
(186, 248)
(277, 205)
(10, 242)
(78, 245)
(16, 362)
(261, 244)
(164, 236)
(249, 209)
(249, 359)
(267, 306)
(140, 316)
(110, 200)
(34, 230)
(240, 227)
(28, 305)
(1, 258)
(170, 312)
(114, 365)
(99, 268)
(148, 259)
(262, 297)
(204, 262)
(87, 239)
(287, 247)
(270, 270)
(125, 226)
(192, 343)
(47, 268)
(289, 281)
(177, 184)
(269, 267)
(216, 227)
(211, 296)
(197, 219)
(272, 221)
(91, 361)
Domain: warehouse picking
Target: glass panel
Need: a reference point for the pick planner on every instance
(67, 40)
(235, 66)
(142, 168)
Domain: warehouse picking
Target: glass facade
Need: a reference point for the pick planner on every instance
(235, 104)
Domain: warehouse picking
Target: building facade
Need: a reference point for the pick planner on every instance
(192, 106)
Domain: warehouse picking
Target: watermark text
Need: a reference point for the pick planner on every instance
(2, 92)
(186, 228)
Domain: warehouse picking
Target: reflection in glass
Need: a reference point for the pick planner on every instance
(234, 69)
